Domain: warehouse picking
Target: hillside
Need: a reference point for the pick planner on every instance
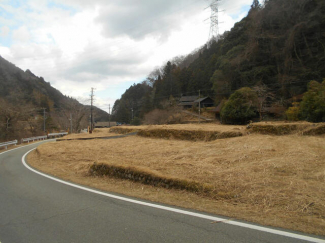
(23, 96)
(278, 46)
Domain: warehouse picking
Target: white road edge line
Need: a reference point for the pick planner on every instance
(198, 215)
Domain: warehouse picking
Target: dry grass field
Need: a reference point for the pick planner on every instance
(268, 179)
(98, 133)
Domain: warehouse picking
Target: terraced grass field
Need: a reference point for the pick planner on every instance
(269, 179)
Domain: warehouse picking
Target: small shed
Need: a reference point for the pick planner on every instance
(204, 102)
(217, 110)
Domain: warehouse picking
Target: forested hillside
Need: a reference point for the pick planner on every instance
(277, 49)
(23, 98)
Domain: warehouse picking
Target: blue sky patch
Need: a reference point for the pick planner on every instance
(15, 3)
(243, 9)
(5, 41)
(61, 6)
(5, 14)
(114, 91)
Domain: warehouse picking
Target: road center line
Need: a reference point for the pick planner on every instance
(180, 211)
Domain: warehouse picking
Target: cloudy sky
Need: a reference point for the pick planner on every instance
(105, 44)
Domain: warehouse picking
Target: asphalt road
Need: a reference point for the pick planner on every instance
(36, 209)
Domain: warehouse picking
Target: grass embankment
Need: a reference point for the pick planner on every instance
(285, 128)
(272, 180)
(191, 132)
(98, 133)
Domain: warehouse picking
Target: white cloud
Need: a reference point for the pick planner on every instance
(4, 31)
(79, 44)
(137, 19)
(21, 34)
(5, 51)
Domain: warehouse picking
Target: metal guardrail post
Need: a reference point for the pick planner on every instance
(5, 144)
(33, 139)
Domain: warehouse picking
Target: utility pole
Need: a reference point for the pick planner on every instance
(44, 118)
(91, 109)
(109, 115)
(70, 123)
(132, 114)
(199, 105)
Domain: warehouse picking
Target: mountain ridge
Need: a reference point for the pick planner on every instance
(279, 47)
(23, 99)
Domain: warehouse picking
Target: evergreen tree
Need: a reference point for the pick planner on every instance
(312, 107)
(241, 107)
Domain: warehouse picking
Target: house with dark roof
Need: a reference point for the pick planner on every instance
(190, 101)
(187, 101)
(204, 102)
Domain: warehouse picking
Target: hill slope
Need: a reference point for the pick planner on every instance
(23, 98)
(279, 46)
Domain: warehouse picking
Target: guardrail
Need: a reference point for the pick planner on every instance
(33, 139)
(5, 144)
(59, 134)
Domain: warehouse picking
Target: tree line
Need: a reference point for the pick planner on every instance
(23, 99)
(278, 48)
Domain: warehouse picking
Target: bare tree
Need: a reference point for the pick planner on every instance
(13, 121)
(75, 114)
(153, 76)
(264, 94)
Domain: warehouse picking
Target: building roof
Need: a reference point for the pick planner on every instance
(218, 108)
(186, 103)
(188, 98)
(202, 99)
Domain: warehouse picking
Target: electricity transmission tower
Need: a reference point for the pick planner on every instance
(214, 19)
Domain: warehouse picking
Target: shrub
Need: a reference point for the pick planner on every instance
(157, 117)
(136, 121)
(292, 113)
(240, 108)
(312, 107)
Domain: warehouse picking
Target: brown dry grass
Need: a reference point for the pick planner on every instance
(271, 180)
(318, 129)
(284, 128)
(189, 127)
(194, 119)
(97, 133)
(191, 132)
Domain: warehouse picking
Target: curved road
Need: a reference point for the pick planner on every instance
(36, 209)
